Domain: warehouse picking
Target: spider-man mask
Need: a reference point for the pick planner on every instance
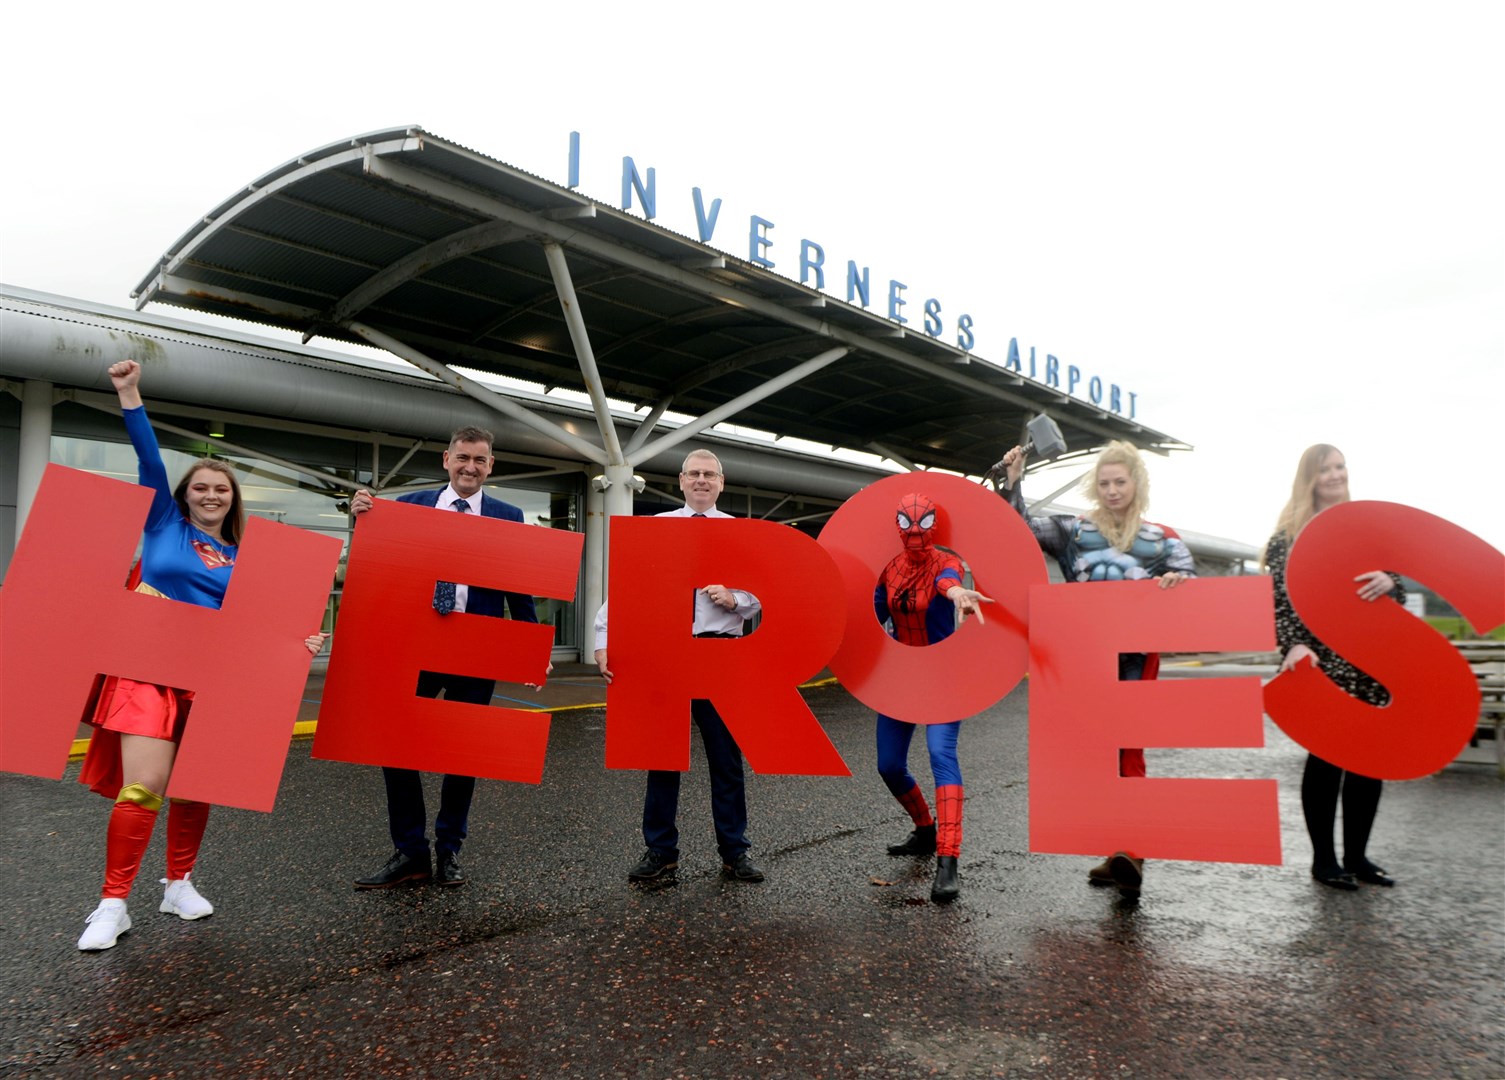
(916, 521)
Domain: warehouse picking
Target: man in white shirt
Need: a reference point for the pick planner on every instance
(719, 612)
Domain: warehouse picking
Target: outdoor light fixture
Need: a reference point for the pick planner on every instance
(216, 429)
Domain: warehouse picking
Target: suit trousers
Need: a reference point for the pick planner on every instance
(405, 810)
(728, 792)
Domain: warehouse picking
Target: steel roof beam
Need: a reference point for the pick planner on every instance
(570, 303)
(1046, 500)
(490, 234)
(736, 405)
(381, 482)
(645, 429)
(490, 398)
(730, 363)
(624, 340)
(894, 456)
(977, 387)
(407, 176)
(170, 285)
(341, 482)
(546, 303)
(296, 173)
(540, 372)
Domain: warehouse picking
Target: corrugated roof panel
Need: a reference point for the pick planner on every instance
(667, 316)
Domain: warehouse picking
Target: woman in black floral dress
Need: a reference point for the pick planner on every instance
(1321, 482)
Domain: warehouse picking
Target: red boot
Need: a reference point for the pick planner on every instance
(922, 840)
(130, 831)
(185, 832)
(948, 809)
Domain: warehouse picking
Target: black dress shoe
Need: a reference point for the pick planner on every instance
(399, 868)
(742, 868)
(919, 842)
(1370, 874)
(654, 866)
(946, 888)
(448, 871)
(1335, 878)
(1127, 872)
(1102, 873)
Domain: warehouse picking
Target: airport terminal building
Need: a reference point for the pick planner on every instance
(599, 347)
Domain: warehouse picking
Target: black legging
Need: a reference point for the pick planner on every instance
(1320, 784)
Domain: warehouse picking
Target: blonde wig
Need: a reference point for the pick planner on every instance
(1120, 531)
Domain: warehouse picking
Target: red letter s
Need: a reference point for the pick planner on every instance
(1434, 699)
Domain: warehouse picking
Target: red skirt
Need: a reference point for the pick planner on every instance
(126, 707)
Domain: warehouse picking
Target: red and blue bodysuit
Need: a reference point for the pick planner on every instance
(180, 562)
(911, 595)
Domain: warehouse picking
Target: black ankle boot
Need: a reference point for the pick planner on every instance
(919, 842)
(946, 887)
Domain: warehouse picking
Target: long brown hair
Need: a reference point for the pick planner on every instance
(1119, 531)
(1303, 504)
(235, 521)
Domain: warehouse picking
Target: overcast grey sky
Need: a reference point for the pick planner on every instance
(1278, 224)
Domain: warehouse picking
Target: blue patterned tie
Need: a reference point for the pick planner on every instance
(444, 591)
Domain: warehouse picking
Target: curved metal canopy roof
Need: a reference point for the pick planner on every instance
(447, 251)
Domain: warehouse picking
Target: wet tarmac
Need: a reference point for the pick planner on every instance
(548, 963)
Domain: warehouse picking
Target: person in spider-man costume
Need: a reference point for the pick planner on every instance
(919, 593)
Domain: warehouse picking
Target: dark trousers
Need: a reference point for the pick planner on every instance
(728, 793)
(405, 810)
(1321, 782)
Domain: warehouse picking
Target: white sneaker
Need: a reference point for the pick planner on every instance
(183, 900)
(108, 921)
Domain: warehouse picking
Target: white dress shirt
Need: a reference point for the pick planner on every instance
(710, 618)
(447, 499)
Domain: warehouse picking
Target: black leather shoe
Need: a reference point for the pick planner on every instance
(1127, 871)
(399, 868)
(1370, 874)
(946, 888)
(1102, 873)
(1334, 878)
(447, 871)
(919, 842)
(742, 868)
(653, 866)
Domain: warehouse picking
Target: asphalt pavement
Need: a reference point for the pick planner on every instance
(549, 963)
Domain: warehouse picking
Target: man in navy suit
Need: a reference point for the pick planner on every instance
(468, 462)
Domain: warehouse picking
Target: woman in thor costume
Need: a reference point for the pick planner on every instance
(188, 553)
(920, 592)
(1111, 542)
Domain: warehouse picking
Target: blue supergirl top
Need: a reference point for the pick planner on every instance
(178, 559)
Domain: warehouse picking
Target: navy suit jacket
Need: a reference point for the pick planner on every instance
(485, 601)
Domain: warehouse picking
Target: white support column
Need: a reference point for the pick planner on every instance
(607, 495)
(621, 486)
(36, 446)
(594, 589)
